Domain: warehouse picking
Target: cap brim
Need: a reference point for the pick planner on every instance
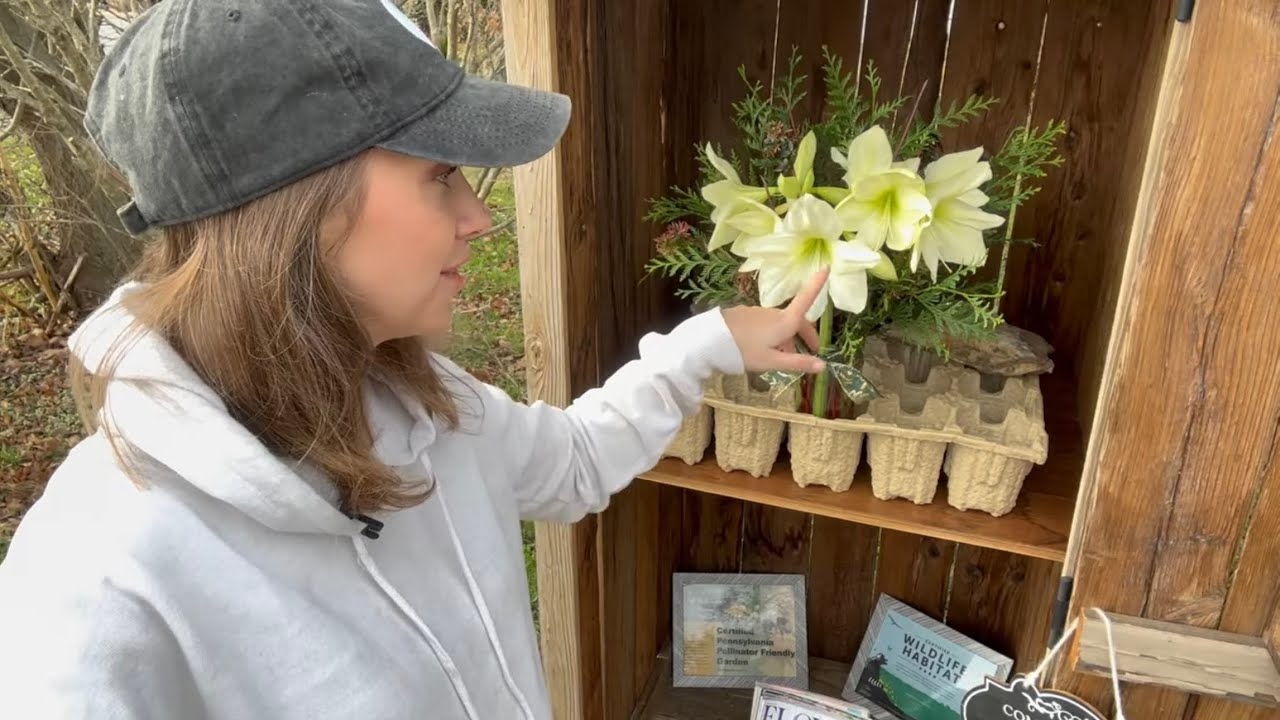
(486, 124)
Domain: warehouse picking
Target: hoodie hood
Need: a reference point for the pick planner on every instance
(160, 407)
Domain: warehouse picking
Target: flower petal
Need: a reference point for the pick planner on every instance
(849, 290)
(813, 217)
(885, 269)
(779, 283)
(852, 254)
(723, 166)
(965, 214)
(804, 155)
(910, 165)
(838, 158)
(819, 306)
(959, 244)
(753, 218)
(780, 245)
(869, 153)
(724, 234)
(956, 173)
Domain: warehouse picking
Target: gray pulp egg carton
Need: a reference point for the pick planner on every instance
(985, 442)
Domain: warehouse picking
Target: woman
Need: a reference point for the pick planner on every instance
(289, 508)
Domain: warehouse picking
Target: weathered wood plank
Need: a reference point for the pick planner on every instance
(775, 540)
(619, 556)
(1175, 370)
(836, 24)
(916, 570)
(1037, 527)
(713, 533)
(1101, 182)
(555, 203)
(994, 50)
(841, 590)
(1004, 601)
(1091, 76)
(1192, 659)
(669, 550)
(906, 41)
(632, 168)
(708, 82)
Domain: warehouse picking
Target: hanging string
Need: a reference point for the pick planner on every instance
(1111, 653)
(1033, 677)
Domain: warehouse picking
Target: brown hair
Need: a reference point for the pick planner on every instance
(250, 301)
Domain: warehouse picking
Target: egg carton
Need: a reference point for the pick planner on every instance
(931, 418)
(940, 419)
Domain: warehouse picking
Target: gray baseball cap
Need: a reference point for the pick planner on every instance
(204, 105)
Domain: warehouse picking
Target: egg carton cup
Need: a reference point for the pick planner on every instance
(750, 421)
(694, 436)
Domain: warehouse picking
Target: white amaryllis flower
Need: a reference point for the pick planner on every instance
(887, 204)
(954, 235)
(734, 204)
(806, 241)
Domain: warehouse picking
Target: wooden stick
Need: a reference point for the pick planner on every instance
(15, 274)
(65, 295)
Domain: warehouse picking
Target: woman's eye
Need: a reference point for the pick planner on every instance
(443, 178)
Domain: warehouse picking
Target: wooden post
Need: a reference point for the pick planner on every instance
(555, 210)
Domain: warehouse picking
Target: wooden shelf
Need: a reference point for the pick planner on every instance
(662, 701)
(1038, 527)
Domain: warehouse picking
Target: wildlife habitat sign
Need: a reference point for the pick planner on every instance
(917, 668)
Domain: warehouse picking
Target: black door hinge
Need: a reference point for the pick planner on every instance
(1058, 620)
(1184, 10)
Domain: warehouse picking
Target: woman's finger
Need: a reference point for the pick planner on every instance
(798, 362)
(809, 334)
(804, 299)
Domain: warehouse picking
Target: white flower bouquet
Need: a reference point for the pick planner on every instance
(905, 228)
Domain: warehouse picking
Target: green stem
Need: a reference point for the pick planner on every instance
(824, 348)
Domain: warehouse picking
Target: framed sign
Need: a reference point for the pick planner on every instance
(917, 668)
(736, 630)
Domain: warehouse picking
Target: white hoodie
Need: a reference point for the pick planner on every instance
(232, 587)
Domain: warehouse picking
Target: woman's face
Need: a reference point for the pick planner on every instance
(403, 258)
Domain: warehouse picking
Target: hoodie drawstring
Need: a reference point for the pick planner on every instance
(455, 678)
(477, 599)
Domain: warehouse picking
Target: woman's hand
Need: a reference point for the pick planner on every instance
(766, 336)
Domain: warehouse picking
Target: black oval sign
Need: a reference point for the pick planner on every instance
(1023, 701)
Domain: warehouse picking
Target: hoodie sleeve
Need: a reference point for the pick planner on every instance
(565, 463)
(100, 654)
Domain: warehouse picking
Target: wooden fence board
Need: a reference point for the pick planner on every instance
(1004, 601)
(713, 533)
(915, 570)
(842, 571)
(775, 540)
(906, 39)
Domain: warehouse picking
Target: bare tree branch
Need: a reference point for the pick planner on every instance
(13, 121)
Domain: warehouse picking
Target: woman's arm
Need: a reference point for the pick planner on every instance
(565, 463)
(100, 653)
